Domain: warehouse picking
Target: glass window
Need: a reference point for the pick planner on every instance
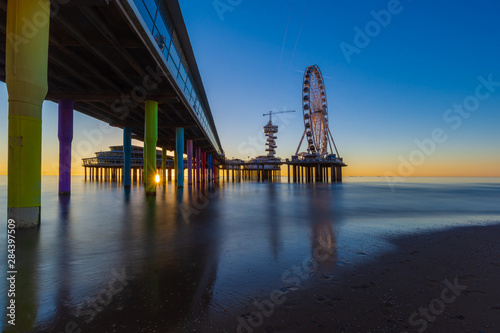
(182, 72)
(163, 31)
(189, 88)
(172, 64)
(175, 57)
(145, 14)
(151, 7)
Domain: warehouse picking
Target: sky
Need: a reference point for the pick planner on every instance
(413, 86)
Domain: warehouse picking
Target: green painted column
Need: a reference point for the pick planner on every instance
(150, 138)
(26, 78)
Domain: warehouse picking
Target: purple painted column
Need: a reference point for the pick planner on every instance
(190, 161)
(198, 164)
(65, 134)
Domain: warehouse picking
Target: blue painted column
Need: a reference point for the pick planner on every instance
(203, 166)
(175, 165)
(198, 164)
(179, 141)
(163, 165)
(209, 167)
(65, 135)
(127, 156)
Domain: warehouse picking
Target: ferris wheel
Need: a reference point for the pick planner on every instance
(315, 111)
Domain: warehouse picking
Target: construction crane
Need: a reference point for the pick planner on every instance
(270, 114)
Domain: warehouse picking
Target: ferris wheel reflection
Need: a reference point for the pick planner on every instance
(323, 233)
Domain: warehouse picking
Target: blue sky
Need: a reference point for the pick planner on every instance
(395, 91)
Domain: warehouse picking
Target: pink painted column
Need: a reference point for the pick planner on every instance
(190, 161)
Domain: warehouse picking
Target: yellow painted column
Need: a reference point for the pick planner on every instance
(27, 45)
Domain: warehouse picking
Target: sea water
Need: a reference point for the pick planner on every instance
(106, 250)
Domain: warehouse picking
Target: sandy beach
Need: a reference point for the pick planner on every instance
(445, 281)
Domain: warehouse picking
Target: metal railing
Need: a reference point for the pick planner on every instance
(161, 29)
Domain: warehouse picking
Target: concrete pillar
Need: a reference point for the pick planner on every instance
(150, 139)
(163, 165)
(127, 156)
(179, 143)
(26, 78)
(190, 161)
(65, 135)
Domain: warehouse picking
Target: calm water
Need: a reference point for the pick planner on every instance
(206, 250)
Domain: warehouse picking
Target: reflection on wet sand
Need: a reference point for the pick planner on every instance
(26, 292)
(106, 259)
(167, 271)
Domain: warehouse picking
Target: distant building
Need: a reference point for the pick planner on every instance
(109, 164)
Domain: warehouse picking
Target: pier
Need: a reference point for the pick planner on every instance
(311, 170)
(127, 63)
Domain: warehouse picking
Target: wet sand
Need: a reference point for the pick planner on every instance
(148, 269)
(447, 281)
